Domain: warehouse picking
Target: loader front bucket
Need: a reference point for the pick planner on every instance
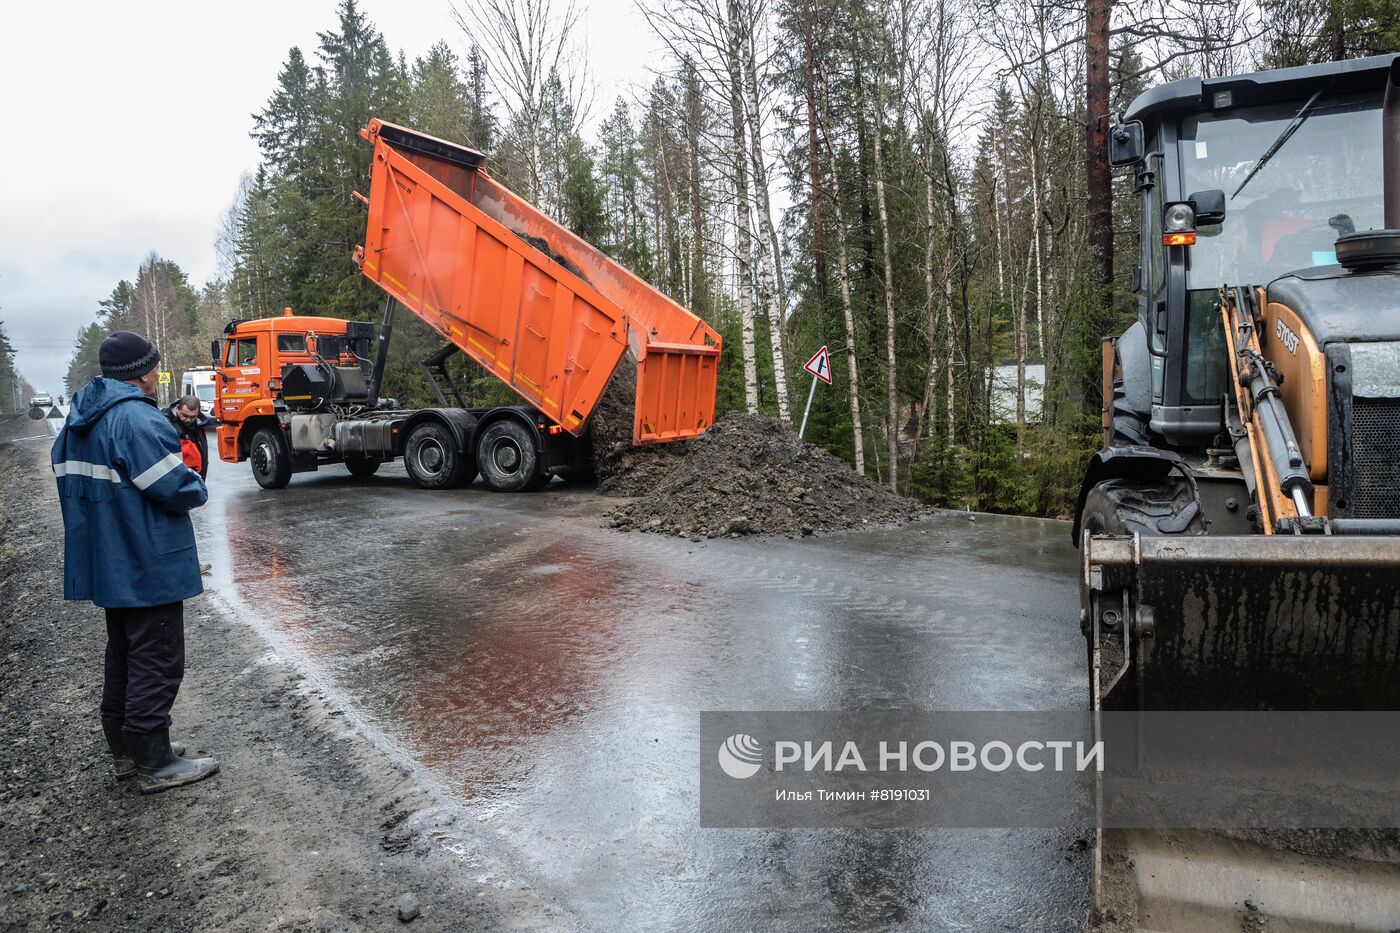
(1243, 623)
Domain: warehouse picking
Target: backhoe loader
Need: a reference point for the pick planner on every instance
(1240, 529)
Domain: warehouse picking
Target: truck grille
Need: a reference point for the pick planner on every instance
(1376, 457)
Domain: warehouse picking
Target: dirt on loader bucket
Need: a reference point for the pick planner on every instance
(1249, 623)
(1260, 623)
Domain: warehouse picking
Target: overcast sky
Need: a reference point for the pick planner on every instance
(127, 131)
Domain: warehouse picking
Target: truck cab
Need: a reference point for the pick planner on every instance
(251, 358)
(1292, 160)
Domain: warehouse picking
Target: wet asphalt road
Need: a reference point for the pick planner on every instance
(546, 673)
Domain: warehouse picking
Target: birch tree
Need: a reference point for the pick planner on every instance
(770, 255)
(891, 363)
(527, 44)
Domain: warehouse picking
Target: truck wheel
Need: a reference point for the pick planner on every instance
(432, 457)
(271, 461)
(1148, 507)
(507, 458)
(362, 467)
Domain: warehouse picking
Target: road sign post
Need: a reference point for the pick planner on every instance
(820, 368)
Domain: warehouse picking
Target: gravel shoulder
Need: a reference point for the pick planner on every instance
(308, 827)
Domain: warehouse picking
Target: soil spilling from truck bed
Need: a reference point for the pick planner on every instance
(746, 475)
(622, 468)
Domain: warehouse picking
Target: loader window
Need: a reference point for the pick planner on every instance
(291, 343)
(1325, 180)
(1206, 357)
(1154, 232)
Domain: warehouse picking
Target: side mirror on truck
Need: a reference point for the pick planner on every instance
(1126, 145)
(214, 351)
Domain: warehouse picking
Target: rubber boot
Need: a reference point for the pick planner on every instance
(122, 765)
(158, 768)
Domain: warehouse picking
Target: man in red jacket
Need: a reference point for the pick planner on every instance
(190, 424)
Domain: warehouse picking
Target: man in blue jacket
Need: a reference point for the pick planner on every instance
(128, 546)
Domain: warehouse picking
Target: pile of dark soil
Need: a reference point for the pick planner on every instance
(748, 475)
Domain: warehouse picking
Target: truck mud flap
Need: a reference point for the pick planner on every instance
(1242, 623)
(675, 392)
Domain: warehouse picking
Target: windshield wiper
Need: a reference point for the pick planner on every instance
(1283, 137)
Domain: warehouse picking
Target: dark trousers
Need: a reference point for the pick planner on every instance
(145, 664)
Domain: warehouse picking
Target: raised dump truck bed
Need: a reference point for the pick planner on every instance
(550, 315)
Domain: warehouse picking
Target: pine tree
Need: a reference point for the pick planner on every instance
(621, 173)
(285, 129)
(481, 123)
(10, 391)
(439, 102)
(585, 207)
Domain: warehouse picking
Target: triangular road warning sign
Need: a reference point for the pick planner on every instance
(820, 365)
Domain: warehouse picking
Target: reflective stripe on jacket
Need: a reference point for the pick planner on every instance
(126, 495)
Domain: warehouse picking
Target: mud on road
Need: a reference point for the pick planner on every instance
(308, 827)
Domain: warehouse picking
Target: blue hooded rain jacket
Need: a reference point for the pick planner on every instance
(126, 495)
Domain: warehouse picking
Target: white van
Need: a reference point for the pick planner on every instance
(199, 382)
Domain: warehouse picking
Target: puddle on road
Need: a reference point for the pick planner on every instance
(549, 673)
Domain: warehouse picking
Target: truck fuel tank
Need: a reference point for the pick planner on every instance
(364, 438)
(311, 432)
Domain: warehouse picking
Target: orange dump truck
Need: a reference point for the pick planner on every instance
(546, 313)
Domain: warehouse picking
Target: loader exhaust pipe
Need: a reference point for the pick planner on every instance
(1390, 151)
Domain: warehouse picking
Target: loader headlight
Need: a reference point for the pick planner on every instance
(1179, 224)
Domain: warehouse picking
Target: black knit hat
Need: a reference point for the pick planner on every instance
(124, 355)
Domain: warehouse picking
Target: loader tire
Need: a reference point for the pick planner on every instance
(270, 459)
(1130, 429)
(432, 457)
(1146, 507)
(507, 458)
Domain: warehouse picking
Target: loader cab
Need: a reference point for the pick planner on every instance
(1291, 159)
